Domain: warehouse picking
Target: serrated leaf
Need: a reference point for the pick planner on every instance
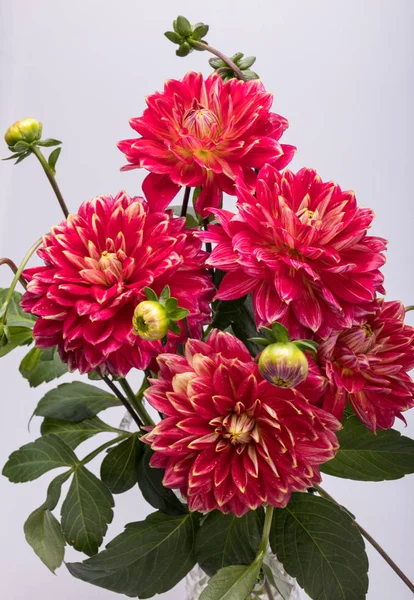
(318, 544)
(44, 534)
(37, 369)
(38, 457)
(119, 467)
(75, 401)
(150, 484)
(16, 317)
(173, 37)
(127, 565)
(53, 158)
(232, 583)
(224, 540)
(54, 490)
(48, 142)
(86, 512)
(365, 456)
(74, 433)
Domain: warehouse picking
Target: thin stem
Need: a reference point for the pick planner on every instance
(373, 543)
(185, 201)
(136, 401)
(51, 177)
(268, 589)
(266, 532)
(209, 247)
(226, 59)
(100, 449)
(408, 308)
(124, 401)
(13, 267)
(19, 271)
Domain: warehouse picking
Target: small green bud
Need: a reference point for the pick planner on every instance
(150, 320)
(26, 130)
(283, 364)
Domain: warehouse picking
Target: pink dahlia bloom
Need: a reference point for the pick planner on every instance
(301, 246)
(229, 439)
(368, 366)
(205, 132)
(97, 264)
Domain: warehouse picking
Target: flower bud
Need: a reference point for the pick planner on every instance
(27, 130)
(150, 320)
(283, 364)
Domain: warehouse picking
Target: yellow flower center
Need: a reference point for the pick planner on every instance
(237, 428)
(367, 329)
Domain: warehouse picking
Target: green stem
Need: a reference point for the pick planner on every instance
(50, 174)
(373, 543)
(226, 59)
(100, 449)
(136, 401)
(5, 306)
(124, 401)
(265, 535)
(13, 267)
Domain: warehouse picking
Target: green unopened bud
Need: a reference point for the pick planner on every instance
(26, 130)
(283, 364)
(150, 320)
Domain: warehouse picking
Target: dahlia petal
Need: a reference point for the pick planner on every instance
(235, 285)
(159, 191)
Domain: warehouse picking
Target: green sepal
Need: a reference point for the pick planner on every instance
(183, 26)
(184, 49)
(246, 63)
(260, 341)
(178, 314)
(216, 63)
(150, 294)
(199, 31)
(236, 57)
(306, 345)
(165, 294)
(249, 75)
(280, 332)
(172, 326)
(173, 37)
(48, 142)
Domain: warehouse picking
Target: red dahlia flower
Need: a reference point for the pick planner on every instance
(231, 440)
(205, 133)
(97, 265)
(368, 365)
(300, 245)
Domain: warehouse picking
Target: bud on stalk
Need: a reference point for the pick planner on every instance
(283, 364)
(26, 130)
(150, 321)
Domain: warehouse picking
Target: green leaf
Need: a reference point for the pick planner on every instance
(48, 142)
(75, 401)
(120, 465)
(53, 158)
(86, 511)
(16, 317)
(44, 534)
(178, 314)
(183, 26)
(247, 62)
(225, 540)
(149, 557)
(280, 332)
(318, 543)
(250, 75)
(34, 459)
(200, 31)
(73, 433)
(150, 294)
(16, 336)
(150, 484)
(232, 583)
(38, 368)
(173, 37)
(365, 456)
(54, 490)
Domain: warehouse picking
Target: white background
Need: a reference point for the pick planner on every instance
(340, 71)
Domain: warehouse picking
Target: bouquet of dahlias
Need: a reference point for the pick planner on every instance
(268, 356)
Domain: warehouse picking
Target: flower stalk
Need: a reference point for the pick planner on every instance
(199, 45)
(137, 400)
(51, 177)
(124, 401)
(14, 268)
